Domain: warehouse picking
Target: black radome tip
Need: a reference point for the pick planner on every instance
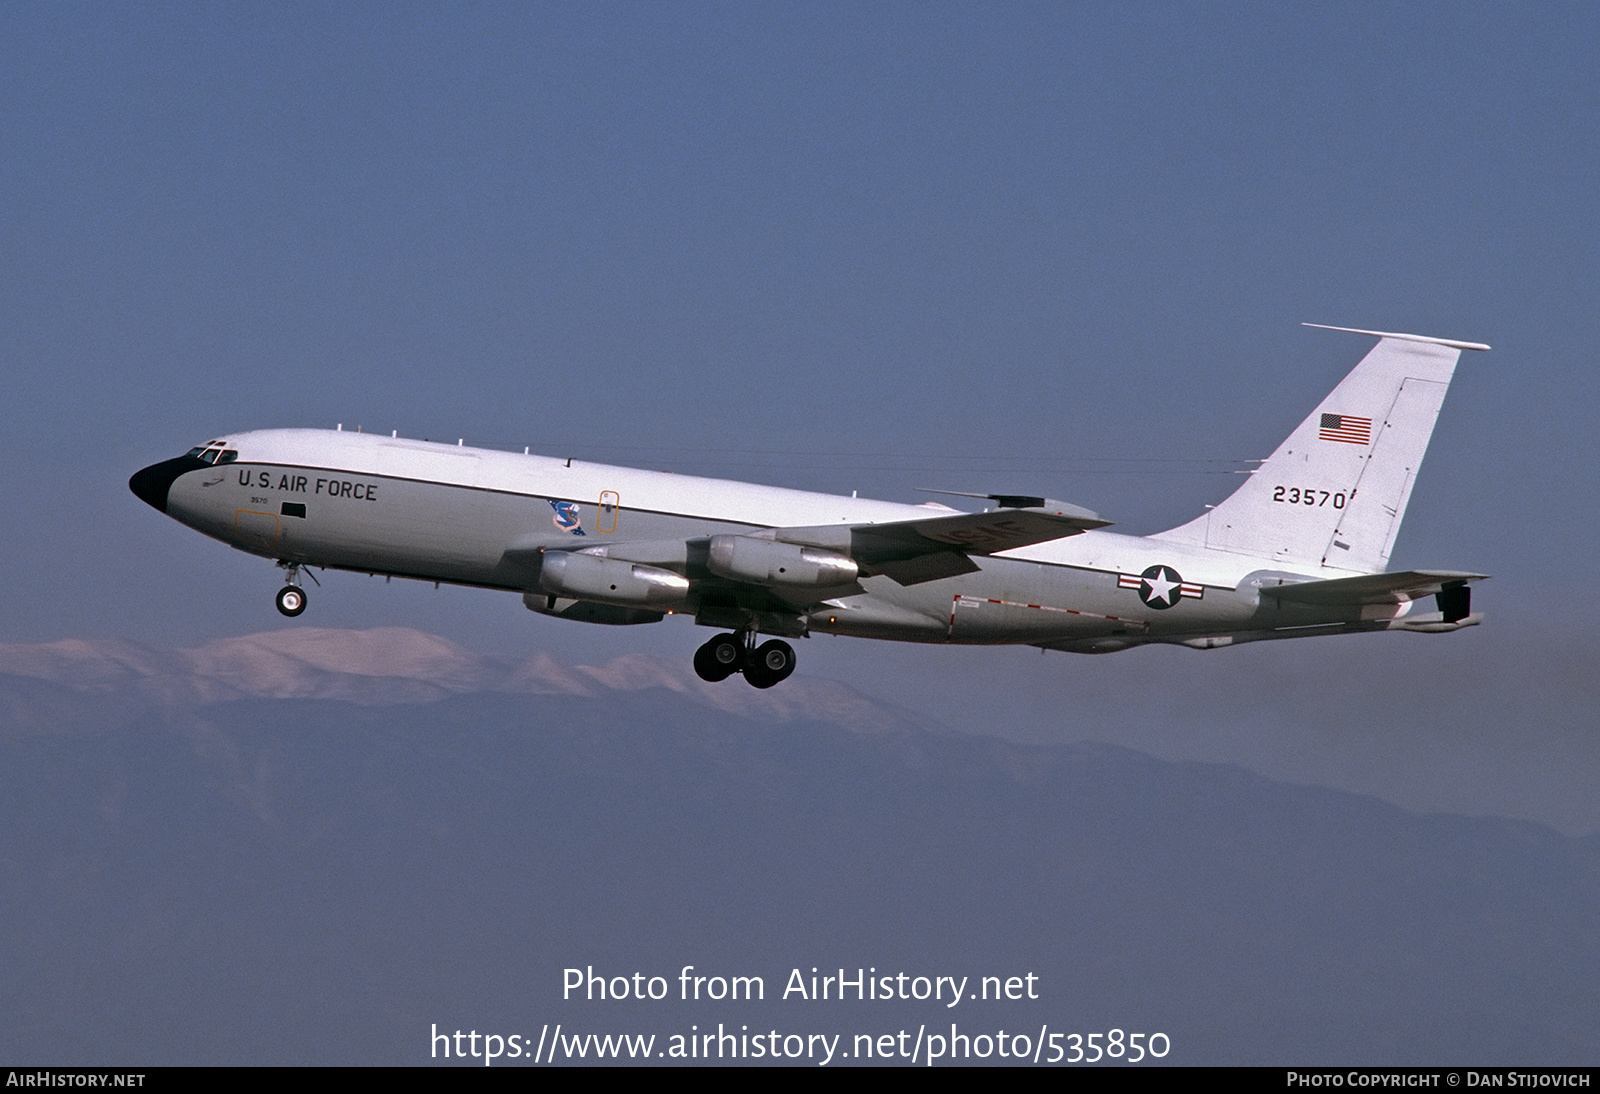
(150, 484)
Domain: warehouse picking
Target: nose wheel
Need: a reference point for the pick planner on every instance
(291, 599)
(726, 654)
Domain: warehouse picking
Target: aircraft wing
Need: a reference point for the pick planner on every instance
(776, 570)
(913, 551)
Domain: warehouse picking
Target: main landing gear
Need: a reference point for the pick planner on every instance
(291, 598)
(727, 654)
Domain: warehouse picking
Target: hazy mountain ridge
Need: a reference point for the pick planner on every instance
(385, 666)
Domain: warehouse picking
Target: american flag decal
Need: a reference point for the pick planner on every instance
(1345, 427)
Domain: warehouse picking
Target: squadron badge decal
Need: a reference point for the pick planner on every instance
(566, 517)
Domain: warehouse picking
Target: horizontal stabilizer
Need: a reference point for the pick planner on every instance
(1371, 588)
(1435, 623)
(1449, 343)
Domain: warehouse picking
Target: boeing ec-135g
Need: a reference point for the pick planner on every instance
(1299, 549)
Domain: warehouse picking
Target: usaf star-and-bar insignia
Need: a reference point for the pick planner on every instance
(1160, 586)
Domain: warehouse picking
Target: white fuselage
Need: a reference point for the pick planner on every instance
(440, 512)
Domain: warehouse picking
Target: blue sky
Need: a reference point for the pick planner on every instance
(1062, 249)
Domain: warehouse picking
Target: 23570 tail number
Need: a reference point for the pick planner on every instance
(1295, 495)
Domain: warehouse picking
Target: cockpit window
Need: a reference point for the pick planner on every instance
(210, 453)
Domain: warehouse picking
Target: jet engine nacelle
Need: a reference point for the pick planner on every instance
(767, 562)
(588, 577)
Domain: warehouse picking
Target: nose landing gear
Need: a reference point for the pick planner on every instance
(291, 599)
(727, 654)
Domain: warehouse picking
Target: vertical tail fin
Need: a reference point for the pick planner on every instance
(1333, 494)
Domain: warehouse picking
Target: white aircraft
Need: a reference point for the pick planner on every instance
(1299, 549)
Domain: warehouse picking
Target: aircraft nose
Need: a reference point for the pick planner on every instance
(150, 484)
